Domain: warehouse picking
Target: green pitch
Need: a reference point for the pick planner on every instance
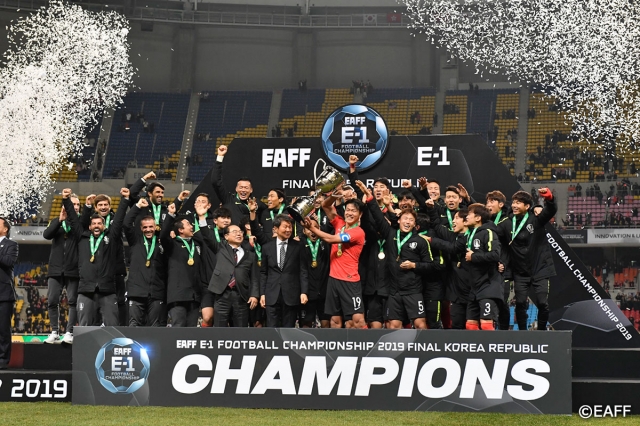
(49, 413)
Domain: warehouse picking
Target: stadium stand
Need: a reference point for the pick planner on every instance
(455, 112)
(166, 115)
(222, 117)
(406, 111)
(310, 123)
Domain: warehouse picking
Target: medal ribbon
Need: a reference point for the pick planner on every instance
(314, 247)
(93, 245)
(514, 231)
(196, 223)
(153, 246)
(191, 248)
(470, 238)
(381, 244)
(258, 250)
(498, 216)
(65, 226)
(450, 219)
(401, 243)
(215, 231)
(156, 212)
(279, 211)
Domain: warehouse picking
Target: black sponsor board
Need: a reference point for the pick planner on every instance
(33, 386)
(434, 370)
(576, 301)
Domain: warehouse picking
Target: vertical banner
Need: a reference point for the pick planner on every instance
(507, 372)
(577, 302)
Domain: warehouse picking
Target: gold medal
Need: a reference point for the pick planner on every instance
(92, 259)
(381, 255)
(314, 264)
(398, 259)
(339, 253)
(190, 262)
(458, 264)
(148, 263)
(259, 262)
(157, 228)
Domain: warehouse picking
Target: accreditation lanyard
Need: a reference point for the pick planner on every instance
(149, 250)
(93, 245)
(279, 211)
(401, 243)
(191, 248)
(217, 233)
(470, 238)
(498, 216)
(514, 231)
(196, 223)
(258, 250)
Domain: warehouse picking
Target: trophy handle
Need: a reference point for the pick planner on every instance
(315, 168)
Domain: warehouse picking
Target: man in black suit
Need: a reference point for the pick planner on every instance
(8, 258)
(283, 276)
(235, 279)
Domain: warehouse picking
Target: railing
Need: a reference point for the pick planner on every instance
(245, 19)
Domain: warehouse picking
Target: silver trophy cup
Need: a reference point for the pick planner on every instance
(328, 180)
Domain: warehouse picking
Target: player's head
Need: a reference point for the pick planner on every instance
(521, 202)
(495, 201)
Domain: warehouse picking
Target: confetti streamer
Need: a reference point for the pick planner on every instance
(584, 53)
(64, 66)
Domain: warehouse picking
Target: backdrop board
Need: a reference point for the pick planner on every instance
(437, 370)
(577, 301)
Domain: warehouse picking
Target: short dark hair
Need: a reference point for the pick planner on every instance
(497, 196)
(101, 197)
(205, 195)
(480, 210)
(384, 181)
(359, 204)
(178, 225)
(406, 194)
(422, 221)
(147, 217)
(96, 216)
(279, 192)
(452, 188)
(277, 221)
(245, 179)
(462, 213)
(154, 185)
(7, 224)
(522, 196)
(221, 212)
(433, 181)
(408, 211)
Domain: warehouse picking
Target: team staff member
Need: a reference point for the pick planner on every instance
(202, 219)
(97, 254)
(496, 203)
(315, 255)
(8, 259)
(236, 202)
(63, 272)
(147, 281)
(258, 315)
(434, 283)
(184, 288)
(483, 255)
(407, 256)
(344, 290)
(530, 256)
(155, 194)
(235, 281)
(283, 276)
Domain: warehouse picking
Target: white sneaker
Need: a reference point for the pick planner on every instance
(67, 338)
(53, 338)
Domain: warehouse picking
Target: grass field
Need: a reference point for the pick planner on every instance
(51, 413)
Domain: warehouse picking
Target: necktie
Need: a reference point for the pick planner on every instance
(232, 281)
(282, 254)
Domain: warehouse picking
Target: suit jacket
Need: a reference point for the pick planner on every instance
(292, 280)
(246, 271)
(8, 258)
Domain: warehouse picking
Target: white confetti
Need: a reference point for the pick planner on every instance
(64, 66)
(585, 53)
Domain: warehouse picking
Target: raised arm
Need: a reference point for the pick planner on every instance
(165, 232)
(77, 228)
(54, 225)
(216, 176)
(115, 231)
(87, 210)
(549, 210)
(139, 185)
(130, 219)
(182, 196)
(353, 175)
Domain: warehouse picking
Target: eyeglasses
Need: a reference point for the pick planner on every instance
(235, 231)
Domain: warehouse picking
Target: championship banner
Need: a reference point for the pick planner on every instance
(416, 370)
(630, 237)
